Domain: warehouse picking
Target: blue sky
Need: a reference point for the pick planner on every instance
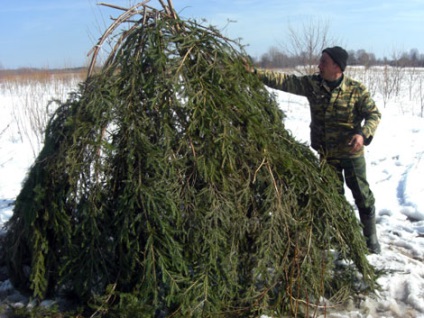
(60, 33)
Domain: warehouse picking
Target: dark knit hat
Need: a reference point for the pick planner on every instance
(339, 56)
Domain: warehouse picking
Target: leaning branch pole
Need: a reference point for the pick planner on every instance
(128, 13)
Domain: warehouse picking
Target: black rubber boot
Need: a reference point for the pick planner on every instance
(370, 232)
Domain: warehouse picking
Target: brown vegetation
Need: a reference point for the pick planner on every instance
(41, 75)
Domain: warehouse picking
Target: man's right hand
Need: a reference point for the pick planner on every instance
(248, 65)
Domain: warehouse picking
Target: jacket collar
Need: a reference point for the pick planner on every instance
(341, 84)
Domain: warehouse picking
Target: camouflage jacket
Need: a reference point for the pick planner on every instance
(336, 115)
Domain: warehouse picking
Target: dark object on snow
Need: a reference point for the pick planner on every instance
(169, 179)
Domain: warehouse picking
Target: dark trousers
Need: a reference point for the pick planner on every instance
(353, 172)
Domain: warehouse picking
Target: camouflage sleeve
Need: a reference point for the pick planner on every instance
(371, 115)
(284, 82)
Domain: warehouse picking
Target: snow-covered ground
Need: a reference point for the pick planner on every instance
(395, 162)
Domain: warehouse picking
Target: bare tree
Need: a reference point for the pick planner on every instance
(308, 43)
(421, 95)
(390, 81)
(265, 61)
(364, 58)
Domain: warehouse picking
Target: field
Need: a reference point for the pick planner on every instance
(27, 101)
(395, 162)
(30, 94)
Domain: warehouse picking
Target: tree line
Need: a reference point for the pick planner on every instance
(278, 58)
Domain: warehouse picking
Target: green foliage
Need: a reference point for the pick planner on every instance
(170, 176)
(39, 312)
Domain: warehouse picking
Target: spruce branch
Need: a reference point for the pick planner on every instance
(170, 176)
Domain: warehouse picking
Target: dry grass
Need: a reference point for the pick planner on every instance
(28, 92)
(28, 75)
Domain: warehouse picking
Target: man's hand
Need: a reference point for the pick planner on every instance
(248, 65)
(357, 142)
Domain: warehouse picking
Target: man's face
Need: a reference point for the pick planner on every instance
(328, 69)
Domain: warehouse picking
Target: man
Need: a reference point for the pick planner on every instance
(344, 118)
